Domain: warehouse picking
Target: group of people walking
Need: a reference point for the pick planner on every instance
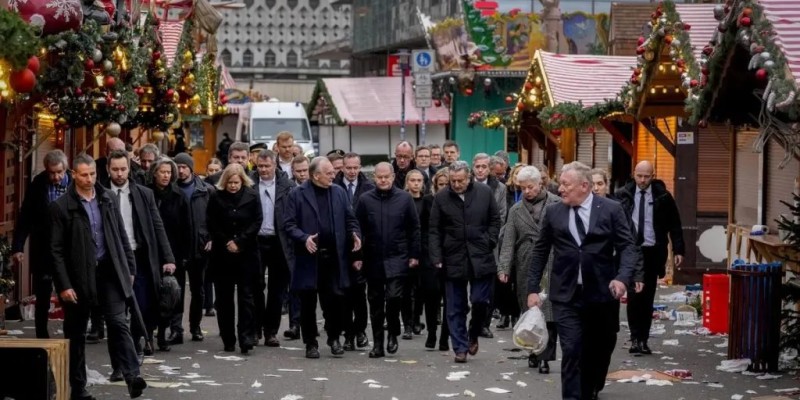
(428, 235)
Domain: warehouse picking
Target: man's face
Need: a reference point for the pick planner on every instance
(573, 189)
(337, 165)
(436, 156)
(643, 176)
(530, 189)
(163, 175)
(384, 178)
(352, 166)
(481, 169)
(146, 160)
(300, 172)
(451, 154)
(599, 186)
(324, 176)
(118, 171)
(296, 150)
(266, 168)
(239, 157)
(55, 173)
(403, 155)
(85, 176)
(459, 181)
(423, 159)
(499, 171)
(184, 172)
(286, 149)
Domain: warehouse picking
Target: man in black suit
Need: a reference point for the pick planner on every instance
(93, 267)
(585, 283)
(45, 188)
(655, 224)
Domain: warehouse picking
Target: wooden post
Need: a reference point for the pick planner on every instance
(686, 169)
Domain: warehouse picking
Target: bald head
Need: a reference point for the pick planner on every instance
(403, 154)
(384, 176)
(114, 144)
(643, 174)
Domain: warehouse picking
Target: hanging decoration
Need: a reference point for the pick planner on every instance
(49, 17)
(156, 112)
(321, 105)
(184, 74)
(531, 97)
(18, 62)
(491, 119)
(667, 34)
(482, 33)
(743, 23)
(576, 116)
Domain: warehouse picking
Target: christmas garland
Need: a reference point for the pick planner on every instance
(745, 23)
(575, 115)
(667, 30)
(6, 276)
(320, 91)
(157, 109)
(19, 43)
(491, 119)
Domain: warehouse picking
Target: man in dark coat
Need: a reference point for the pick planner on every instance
(238, 152)
(390, 226)
(404, 162)
(148, 240)
(33, 222)
(355, 183)
(275, 248)
(655, 224)
(195, 263)
(324, 231)
(583, 232)
(94, 266)
(464, 229)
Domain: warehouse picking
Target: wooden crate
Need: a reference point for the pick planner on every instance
(57, 355)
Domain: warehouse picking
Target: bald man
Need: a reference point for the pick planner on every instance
(390, 227)
(655, 221)
(137, 174)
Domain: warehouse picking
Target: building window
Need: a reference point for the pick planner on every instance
(313, 63)
(247, 58)
(226, 57)
(336, 64)
(291, 59)
(270, 59)
(292, 4)
(270, 4)
(313, 4)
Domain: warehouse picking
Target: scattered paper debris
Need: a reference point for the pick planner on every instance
(737, 397)
(187, 391)
(291, 348)
(291, 397)
(151, 360)
(497, 390)
(14, 332)
(657, 382)
(457, 375)
(272, 376)
(521, 384)
(368, 381)
(789, 390)
(447, 395)
(229, 358)
(95, 378)
(723, 344)
(289, 370)
(768, 377)
(196, 365)
(185, 358)
(256, 384)
(716, 385)
(408, 361)
(739, 365)
(320, 379)
(202, 351)
(377, 386)
(670, 342)
(469, 393)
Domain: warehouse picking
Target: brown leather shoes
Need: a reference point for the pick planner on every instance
(461, 358)
(473, 346)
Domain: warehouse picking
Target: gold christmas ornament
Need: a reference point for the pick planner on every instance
(170, 118)
(156, 136)
(189, 78)
(195, 99)
(159, 63)
(187, 56)
(113, 129)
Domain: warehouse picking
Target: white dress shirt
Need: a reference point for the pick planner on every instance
(126, 209)
(286, 166)
(266, 191)
(649, 232)
(585, 212)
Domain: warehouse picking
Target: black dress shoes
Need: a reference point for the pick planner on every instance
(95, 336)
(336, 348)
(635, 348)
(532, 361)
(197, 336)
(175, 339)
(230, 348)
(418, 328)
(645, 349)
(349, 344)
(430, 342)
(486, 333)
(245, 348)
(116, 376)
(408, 333)
(293, 333)
(544, 367)
(211, 313)
(391, 344)
(377, 351)
(136, 386)
(504, 322)
(362, 340)
(312, 352)
(272, 341)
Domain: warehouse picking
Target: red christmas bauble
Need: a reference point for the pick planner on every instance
(78, 92)
(637, 71)
(520, 106)
(680, 63)
(33, 64)
(88, 63)
(437, 103)
(509, 99)
(52, 16)
(640, 50)
(640, 41)
(170, 93)
(528, 86)
(22, 81)
(468, 91)
(156, 55)
(556, 132)
(109, 81)
(745, 21)
(708, 50)
(704, 70)
(761, 74)
(635, 80)
(687, 27)
(694, 83)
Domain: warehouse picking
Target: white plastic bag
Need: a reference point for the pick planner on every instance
(531, 331)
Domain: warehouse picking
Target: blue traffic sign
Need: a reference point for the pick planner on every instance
(423, 59)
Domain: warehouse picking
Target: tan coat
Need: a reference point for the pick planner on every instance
(521, 232)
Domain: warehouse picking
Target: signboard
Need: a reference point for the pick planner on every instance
(685, 138)
(423, 103)
(424, 92)
(393, 66)
(422, 61)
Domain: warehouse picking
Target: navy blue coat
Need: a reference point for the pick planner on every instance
(302, 220)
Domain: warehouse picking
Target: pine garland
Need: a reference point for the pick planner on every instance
(19, 43)
(320, 91)
(483, 35)
(6, 276)
(575, 115)
(491, 119)
(157, 111)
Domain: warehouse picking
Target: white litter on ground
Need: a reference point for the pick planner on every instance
(187, 391)
(14, 332)
(723, 344)
(497, 390)
(739, 365)
(469, 393)
(447, 395)
(319, 379)
(715, 385)
(256, 384)
(789, 390)
(670, 342)
(202, 351)
(151, 360)
(272, 376)
(291, 397)
(229, 358)
(658, 382)
(768, 377)
(521, 384)
(737, 397)
(368, 381)
(196, 365)
(291, 348)
(377, 386)
(289, 370)
(95, 378)
(185, 358)
(457, 375)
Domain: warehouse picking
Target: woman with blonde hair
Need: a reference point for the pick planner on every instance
(513, 192)
(234, 219)
(440, 180)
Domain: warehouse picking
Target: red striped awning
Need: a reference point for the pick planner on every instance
(590, 79)
(225, 79)
(703, 25)
(785, 18)
(170, 36)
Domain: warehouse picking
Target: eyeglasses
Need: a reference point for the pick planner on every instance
(402, 157)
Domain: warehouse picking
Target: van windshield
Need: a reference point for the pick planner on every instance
(266, 129)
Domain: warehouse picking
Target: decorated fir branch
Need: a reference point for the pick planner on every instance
(157, 110)
(790, 316)
(184, 71)
(19, 42)
(321, 92)
(744, 24)
(483, 35)
(576, 116)
(491, 119)
(667, 30)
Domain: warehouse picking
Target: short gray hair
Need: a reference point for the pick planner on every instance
(503, 155)
(495, 160)
(82, 159)
(581, 170)
(55, 157)
(459, 165)
(313, 166)
(480, 156)
(151, 149)
(529, 174)
(267, 154)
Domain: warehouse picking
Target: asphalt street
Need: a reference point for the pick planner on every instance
(200, 370)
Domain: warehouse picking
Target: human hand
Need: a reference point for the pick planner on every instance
(413, 262)
(356, 243)
(18, 258)
(638, 287)
(69, 296)
(311, 243)
(503, 278)
(617, 289)
(534, 300)
(207, 247)
(232, 247)
(357, 265)
(169, 268)
(439, 265)
(678, 260)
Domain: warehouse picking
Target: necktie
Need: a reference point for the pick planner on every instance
(640, 230)
(351, 190)
(579, 224)
(119, 193)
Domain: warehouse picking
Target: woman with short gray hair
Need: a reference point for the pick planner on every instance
(521, 232)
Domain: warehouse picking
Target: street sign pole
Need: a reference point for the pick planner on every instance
(422, 65)
(422, 128)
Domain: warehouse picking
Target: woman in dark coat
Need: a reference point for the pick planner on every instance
(234, 218)
(174, 211)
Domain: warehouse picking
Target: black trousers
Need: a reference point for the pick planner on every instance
(196, 269)
(268, 306)
(410, 291)
(112, 304)
(549, 353)
(505, 298)
(385, 299)
(43, 289)
(430, 292)
(640, 305)
(356, 314)
(331, 299)
(243, 286)
(588, 333)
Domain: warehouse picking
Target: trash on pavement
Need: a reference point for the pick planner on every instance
(95, 378)
(680, 373)
(291, 397)
(289, 370)
(469, 393)
(739, 365)
(670, 342)
(497, 390)
(639, 376)
(521, 384)
(457, 375)
(229, 358)
(768, 377)
(320, 379)
(256, 384)
(446, 395)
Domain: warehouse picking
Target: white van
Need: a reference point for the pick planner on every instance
(269, 118)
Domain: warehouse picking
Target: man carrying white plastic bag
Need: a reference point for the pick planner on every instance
(530, 332)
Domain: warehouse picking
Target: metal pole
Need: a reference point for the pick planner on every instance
(402, 101)
(422, 127)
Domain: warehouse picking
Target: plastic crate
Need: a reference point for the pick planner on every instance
(716, 299)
